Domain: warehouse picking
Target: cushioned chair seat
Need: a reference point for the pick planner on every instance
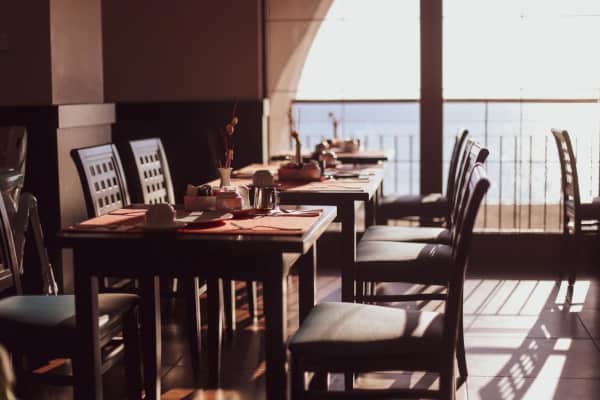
(45, 316)
(433, 205)
(361, 330)
(591, 210)
(403, 262)
(387, 233)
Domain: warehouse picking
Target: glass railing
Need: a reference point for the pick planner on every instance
(523, 163)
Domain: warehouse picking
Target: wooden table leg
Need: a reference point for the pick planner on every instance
(307, 274)
(86, 360)
(215, 329)
(347, 217)
(151, 335)
(191, 292)
(274, 295)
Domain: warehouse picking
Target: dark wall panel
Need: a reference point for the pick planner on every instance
(189, 132)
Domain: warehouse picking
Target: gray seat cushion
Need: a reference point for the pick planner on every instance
(387, 233)
(53, 316)
(361, 330)
(433, 205)
(404, 262)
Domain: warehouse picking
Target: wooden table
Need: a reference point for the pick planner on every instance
(344, 199)
(356, 157)
(146, 256)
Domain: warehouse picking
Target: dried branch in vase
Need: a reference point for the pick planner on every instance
(227, 140)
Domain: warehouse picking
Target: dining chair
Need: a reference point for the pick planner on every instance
(105, 190)
(153, 184)
(425, 207)
(579, 219)
(473, 153)
(416, 263)
(35, 327)
(354, 338)
(152, 180)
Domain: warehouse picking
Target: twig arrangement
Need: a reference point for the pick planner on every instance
(228, 142)
(294, 134)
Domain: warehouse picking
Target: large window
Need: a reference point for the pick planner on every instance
(512, 71)
(363, 67)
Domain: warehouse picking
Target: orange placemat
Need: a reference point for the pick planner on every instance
(120, 221)
(327, 186)
(270, 225)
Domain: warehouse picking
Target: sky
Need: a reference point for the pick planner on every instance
(493, 49)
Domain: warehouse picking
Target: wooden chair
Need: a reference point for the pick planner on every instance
(105, 189)
(152, 180)
(153, 184)
(473, 153)
(428, 207)
(416, 262)
(350, 337)
(102, 177)
(37, 326)
(579, 219)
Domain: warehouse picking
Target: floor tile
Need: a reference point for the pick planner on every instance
(547, 324)
(532, 388)
(532, 357)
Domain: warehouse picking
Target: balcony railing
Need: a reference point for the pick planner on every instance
(523, 163)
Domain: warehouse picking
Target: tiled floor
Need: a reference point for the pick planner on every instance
(523, 342)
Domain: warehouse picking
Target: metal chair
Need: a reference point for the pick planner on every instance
(429, 207)
(22, 210)
(44, 326)
(350, 337)
(579, 219)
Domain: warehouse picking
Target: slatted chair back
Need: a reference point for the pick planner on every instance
(569, 181)
(102, 179)
(153, 172)
(476, 187)
(455, 159)
(473, 153)
(10, 274)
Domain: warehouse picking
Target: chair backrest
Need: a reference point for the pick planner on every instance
(10, 274)
(154, 184)
(473, 153)
(569, 179)
(477, 185)
(102, 178)
(454, 161)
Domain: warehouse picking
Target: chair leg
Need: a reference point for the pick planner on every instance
(348, 381)
(297, 377)
(133, 372)
(229, 304)
(461, 355)
(191, 294)
(447, 382)
(252, 298)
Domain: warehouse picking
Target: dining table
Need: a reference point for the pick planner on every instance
(263, 250)
(345, 187)
(359, 157)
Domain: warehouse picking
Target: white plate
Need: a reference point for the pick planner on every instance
(172, 226)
